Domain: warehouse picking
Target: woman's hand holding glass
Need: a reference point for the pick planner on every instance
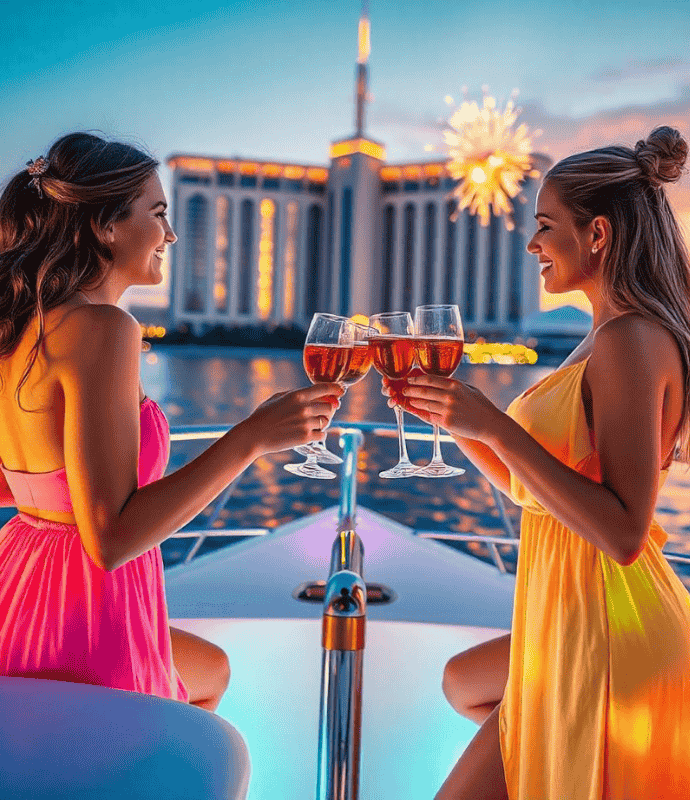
(456, 406)
(288, 419)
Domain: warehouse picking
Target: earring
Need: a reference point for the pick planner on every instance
(594, 249)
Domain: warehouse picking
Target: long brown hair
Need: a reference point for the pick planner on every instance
(646, 268)
(52, 229)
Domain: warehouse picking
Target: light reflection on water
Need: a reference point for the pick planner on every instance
(206, 385)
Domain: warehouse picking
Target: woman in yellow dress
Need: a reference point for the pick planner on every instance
(588, 697)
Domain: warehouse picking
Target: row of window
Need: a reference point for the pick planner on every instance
(292, 185)
(247, 264)
(256, 182)
(440, 262)
(430, 184)
(447, 271)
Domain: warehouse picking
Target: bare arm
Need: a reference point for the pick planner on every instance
(631, 366)
(478, 453)
(628, 386)
(118, 521)
(487, 462)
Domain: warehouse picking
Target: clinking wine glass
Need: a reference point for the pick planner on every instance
(319, 449)
(394, 356)
(326, 356)
(362, 355)
(439, 342)
(360, 362)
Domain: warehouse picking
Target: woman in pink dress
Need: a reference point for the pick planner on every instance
(83, 451)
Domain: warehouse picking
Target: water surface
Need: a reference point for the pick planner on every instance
(216, 385)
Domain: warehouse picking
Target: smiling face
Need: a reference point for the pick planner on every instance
(565, 252)
(138, 242)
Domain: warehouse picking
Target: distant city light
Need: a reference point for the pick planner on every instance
(489, 157)
(358, 145)
(289, 259)
(221, 263)
(152, 331)
(294, 173)
(264, 299)
(363, 40)
(481, 352)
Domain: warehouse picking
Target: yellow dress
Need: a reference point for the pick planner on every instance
(597, 704)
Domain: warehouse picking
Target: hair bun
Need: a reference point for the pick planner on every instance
(662, 156)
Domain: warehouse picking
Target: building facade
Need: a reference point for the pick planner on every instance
(268, 242)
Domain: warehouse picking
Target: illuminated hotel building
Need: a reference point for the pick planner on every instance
(269, 242)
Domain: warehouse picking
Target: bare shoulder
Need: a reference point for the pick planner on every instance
(84, 332)
(95, 346)
(635, 345)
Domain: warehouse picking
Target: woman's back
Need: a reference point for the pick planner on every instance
(62, 615)
(32, 431)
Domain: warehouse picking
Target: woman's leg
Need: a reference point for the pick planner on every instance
(203, 667)
(478, 775)
(474, 681)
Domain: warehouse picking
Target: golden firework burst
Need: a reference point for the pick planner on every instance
(489, 157)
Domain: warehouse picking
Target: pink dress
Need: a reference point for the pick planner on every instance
(63, 617)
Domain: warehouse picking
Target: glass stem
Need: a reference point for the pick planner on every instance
(404, 458)
(436, 459)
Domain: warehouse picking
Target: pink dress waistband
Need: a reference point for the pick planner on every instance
(47, 491)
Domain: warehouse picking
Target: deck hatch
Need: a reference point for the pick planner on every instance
(314, 591)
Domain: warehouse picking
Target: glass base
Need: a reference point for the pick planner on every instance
(310, 470)
(438, 469)
(403, 469)
(323, 455)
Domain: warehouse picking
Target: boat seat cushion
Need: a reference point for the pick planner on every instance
(62, 740)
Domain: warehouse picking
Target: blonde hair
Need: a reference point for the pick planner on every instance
(646, 267)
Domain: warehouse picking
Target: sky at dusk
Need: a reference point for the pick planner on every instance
(275, 80)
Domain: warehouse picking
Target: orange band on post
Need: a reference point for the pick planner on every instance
(343, 633)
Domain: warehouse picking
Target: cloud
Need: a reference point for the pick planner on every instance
(407, 126)
(408, 132)
(562, 134)
(622, 125)
(634, 69)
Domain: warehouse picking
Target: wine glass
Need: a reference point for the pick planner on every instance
(362, 355)
(327, 353)
(360, 363)
(439, 342)
(319, 449)
(393, 355)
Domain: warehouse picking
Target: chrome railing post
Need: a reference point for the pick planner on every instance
(340, 718)
(350, 441)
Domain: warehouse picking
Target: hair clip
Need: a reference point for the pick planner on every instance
(36, 169)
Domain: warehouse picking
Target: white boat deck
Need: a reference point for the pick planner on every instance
(241, 599)
(256, 578)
